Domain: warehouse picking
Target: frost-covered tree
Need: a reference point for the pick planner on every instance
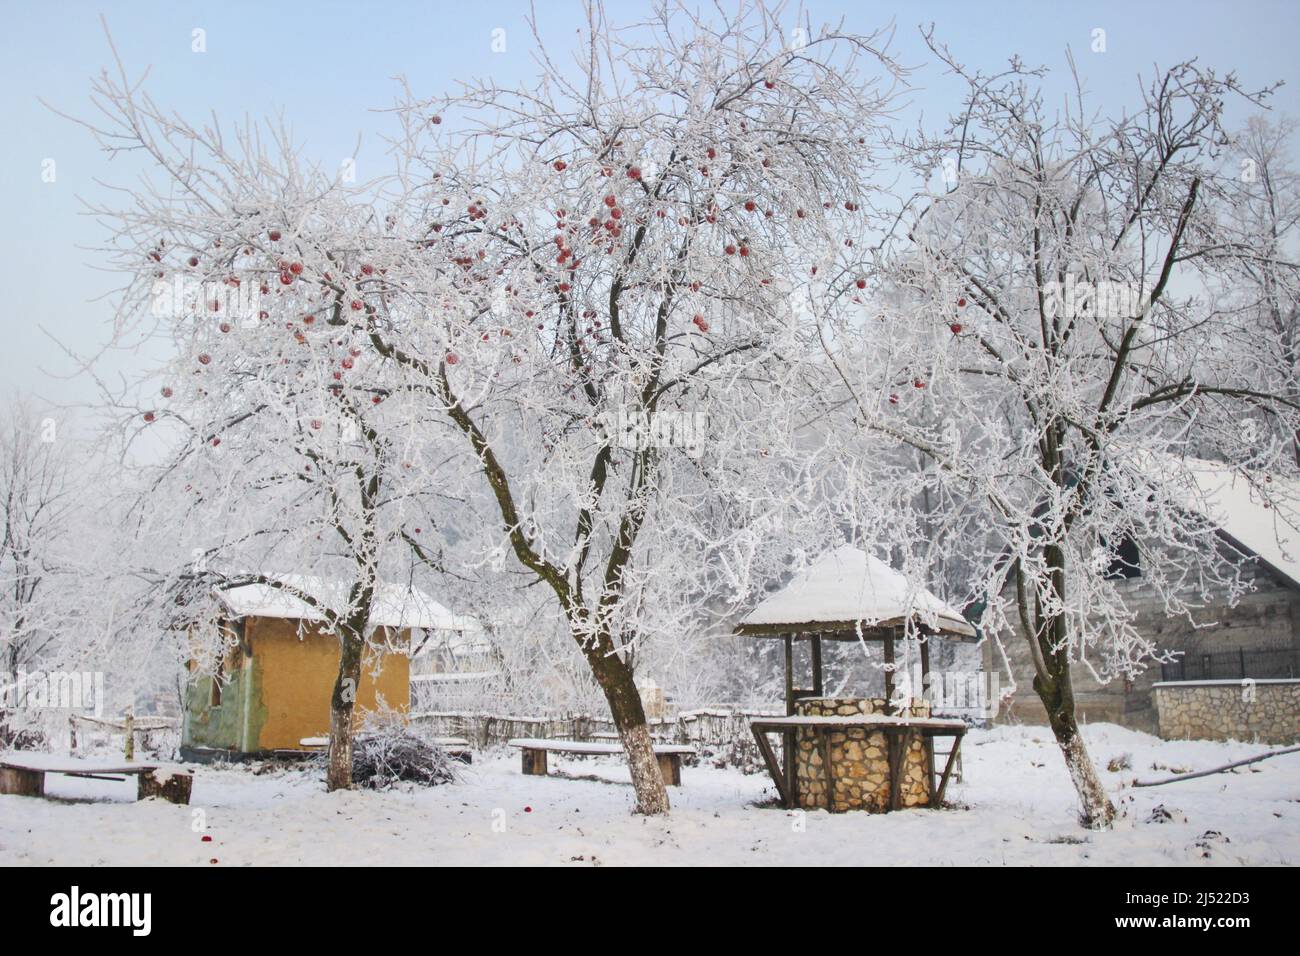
(38, 498)
(1261, 254)
(1052, 325)
(609, 259)
(271, 441)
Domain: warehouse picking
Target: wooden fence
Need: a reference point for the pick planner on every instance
(710, 730)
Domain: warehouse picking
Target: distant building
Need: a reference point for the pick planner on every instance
(453, 668)
(273, 683)
(1257, 638)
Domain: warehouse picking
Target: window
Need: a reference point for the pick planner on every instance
(1126, 562)
(233, 646)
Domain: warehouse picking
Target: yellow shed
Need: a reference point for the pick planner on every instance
(271, 689)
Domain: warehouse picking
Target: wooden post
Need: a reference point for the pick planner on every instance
(817, 665)
(892, 748)
(931, 695)
(130, 734)
(787, 738)
(21, 782)
(535, 762)
(824, 740)
(889, 672)
(947, 767)
(925, 670)
(670, 765)
(789, 675)
(769, 758)
(791, 779)
(924, 665)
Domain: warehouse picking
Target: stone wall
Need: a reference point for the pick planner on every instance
(1266, 711)
(859, 759)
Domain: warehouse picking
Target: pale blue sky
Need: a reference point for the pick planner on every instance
(327, 64)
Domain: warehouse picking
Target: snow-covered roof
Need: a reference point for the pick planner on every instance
(393, 605)
(848, 586)
(1262, 515)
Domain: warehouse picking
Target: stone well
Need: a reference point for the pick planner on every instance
(859, 759)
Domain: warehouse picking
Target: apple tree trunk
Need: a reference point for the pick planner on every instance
(342, 703)
(1057, 694)
(619, 686)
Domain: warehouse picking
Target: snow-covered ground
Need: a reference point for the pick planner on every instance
(1015, 806)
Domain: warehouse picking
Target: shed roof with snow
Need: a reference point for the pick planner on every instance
(393, 606)
(847, 591)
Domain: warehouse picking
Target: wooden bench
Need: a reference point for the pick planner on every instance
(659, 737)
(534, 752)
(24, 775)
(457, 747)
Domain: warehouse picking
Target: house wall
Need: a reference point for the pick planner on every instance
(221, 727)
(279, 686)
(1267, 618)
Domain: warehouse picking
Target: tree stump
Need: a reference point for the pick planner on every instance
(172, 786)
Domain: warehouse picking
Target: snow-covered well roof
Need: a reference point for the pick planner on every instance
(1259, 514)
(847, 587)
(393, 605)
